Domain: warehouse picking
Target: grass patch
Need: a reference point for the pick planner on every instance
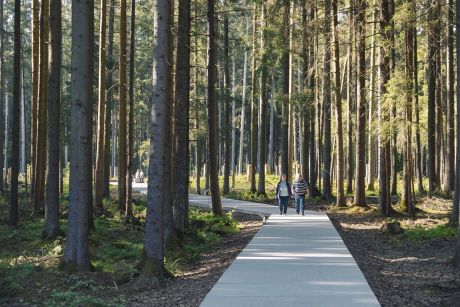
(419, 233)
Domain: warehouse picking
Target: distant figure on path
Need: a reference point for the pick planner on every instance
(141, 175)
(137, 177)
(283, 192)
(299, 189)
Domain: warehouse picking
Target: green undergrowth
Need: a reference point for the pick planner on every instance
(205, 233)
(420, 233)
(29, 265)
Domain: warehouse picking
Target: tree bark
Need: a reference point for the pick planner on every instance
(108, 103)
(360, 172)
(100, 150)
(350, 95)
(450, 148)
(182, 117)
(431, 76)
(153, 254)
(340, 201)
(454, 218)
(76, 254)
(122, 163)
(325, 170)
(384, 132)
(285, 34)
(243, 109)
(455, 211)
(54, 110)
(262, 101)
(226, 117)
(14, 208)
(371, 137)
(253, 143)
(213, 133)
(130, 163)
(2, 90)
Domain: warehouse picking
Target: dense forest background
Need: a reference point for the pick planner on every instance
(221, 98)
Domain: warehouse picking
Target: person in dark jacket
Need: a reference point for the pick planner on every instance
(299, 189)
(283, 193)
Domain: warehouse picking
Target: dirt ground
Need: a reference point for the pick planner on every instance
(400, 271)
(190, 288)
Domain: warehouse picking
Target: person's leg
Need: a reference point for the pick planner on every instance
(286, 199)
(297, 205)
(302, 203)
(280, 202)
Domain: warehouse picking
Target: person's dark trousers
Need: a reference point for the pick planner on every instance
(299, 203)
(283, 204)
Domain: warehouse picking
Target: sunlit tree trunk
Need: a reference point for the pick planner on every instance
(371, 110)
(360, 196)
(340, 201)
(213, 134)
(100, 150)
(285, 33)
(350, 96)
(243, 109)
(2, 88)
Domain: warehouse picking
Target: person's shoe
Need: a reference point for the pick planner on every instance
(302, 213)
(281, 213)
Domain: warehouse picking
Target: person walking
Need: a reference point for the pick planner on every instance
(283, 192)
(299, 189)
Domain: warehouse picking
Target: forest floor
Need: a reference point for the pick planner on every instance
(412, 268)
(30, 273)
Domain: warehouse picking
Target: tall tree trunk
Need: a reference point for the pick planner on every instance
(54, 110)
(313, 190)
(338, 104)
(360, 196)
(130, 163)
(305, 114)
(153, 253)
(35, 92)
(455, 211)
(40, 163)
(182, 117)
(14, 207)
(454, 218)
(450, 159)
(243, 109)
(22, 123)
(263, 100)
(226, 117)
(394, 149)
(285, 34)
(76, 254)
(431, 76)
(122, 167)
(233, 122)
(350, 96)
(253, 143)
(325, 170)
(100, 149)
(213, 133)
(419, 159)
(406, 199)
(200, 139)
(384, 135)
(109, 102)
(371, 110)
(2, 91)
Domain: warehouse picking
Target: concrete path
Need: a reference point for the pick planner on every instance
(292, 261)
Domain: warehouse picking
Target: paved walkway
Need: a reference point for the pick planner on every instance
(292, 261)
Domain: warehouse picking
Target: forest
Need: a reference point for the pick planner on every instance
(221, 98)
